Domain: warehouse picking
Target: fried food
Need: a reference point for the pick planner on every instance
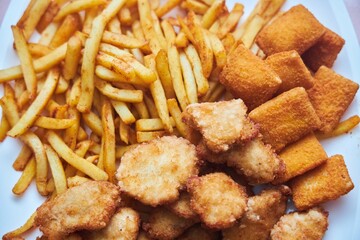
(310, 225)
(331, 95)
(124, 225)
(222, 124)
(88, 206)
(248, 77)
(327, 182)
(296, 29)
(217, 199)
(264, 210)
(196, 232)
(286, 118)
(300, 157)
(324, 52)
(154, 172)
(291, 69)
(163, 224)
(182, 208)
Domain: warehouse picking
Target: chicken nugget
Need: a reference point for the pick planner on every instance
(143, 236)
(217, 199)
(154, 172)
(331, 95)
(286, 118)
(221, 124)
(300, 157)
(327, 182)
(248, 77)
(88, 206)
(264, 210)
(324, 52)
(196, 232)
(124, 225)
(297, 29)
(163, 224)
(310, 225)
(291, 69)
(182, 208)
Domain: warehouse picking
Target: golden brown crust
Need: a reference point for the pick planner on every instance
(248, 77)
(196, 232)
(217, 199)
(222, 124)
(331, 95)
(296, 29)
(324, 52)
(327, 182)
(286, 118)
(154, 172)
(310, 225)
(182, 208)
(300, 157)
(291, 70)
(88, 206)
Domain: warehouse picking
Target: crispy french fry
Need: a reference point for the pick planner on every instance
(147, 136)
(212, 13)
(23, 158)
(24, 228)
(176, 114)
(157, 28)
(49, 15)
(108, 75)
(151, 124)
(4, 127)
(252, 30)
(139, 34)
(68, 27)
(154, 4)
(123, 111)
(26, 13)
(217, 93)
(342, 128)
(231, 20)
(70, 157)
(195, 6)
(162, 68)
(218, 50)
(57, 169)
(62, 85)
(166, 7)
(38, 50)
(114, 25)
(71, 133)
(124, 132)
(53, 123)
(90, 15)
(93, 122)
(150, 104)
(77, 6)
(168, 31)
(26, 177)
(76, 181)
(139, 56)
(119, 66)
(189, 79)
(74, 94)
(125, 16)
(185, 30)
(272, 9)
(121, 40)
(72, 58)
(48, 33)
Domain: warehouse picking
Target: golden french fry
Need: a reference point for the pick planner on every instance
(71, 133)
(23, 158)
(72, 58)
(121, 40)
(48, 33)
(90, 15)
(114, 25)
(24, 228)
(195, 6)
(93, 122)
(90, 51)
(38, 50)
(77, 6)
(57, 169)
(185, 30)
(74, 94)
(125, 16)
(212, 13)
(49, 14)
(157, 28)
(139, 56)
(272, 9)
(168, 31)
(26, 13)
(62, 85)
(217, 93)
(231, 20)
(36, 107)
(154, 4)
(343, 127)
(108, 75)
(151, 124)
(54, 123)
(176, 114)
(123, 111)
(228, 42)
(218, 50)
(201, 81)
(124, 132)
(147, 136)
(26, 177)
(139, 34)
(166, 7)
(76, 181)
(150, 104)
(68, 27)
(70, 157)
(4, 127)
(253, 28)
(177, 79)
(162, 68)
(119, 66)
(181, 40)
(189, 79)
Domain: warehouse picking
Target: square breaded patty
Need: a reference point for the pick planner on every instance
(297, 29)
(331, 95)
(286, 118)
(291, 70)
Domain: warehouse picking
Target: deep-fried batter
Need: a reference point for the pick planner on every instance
(88, 206)
(286, 118)
(196, 232)
(310, 225)
(291, 69)
(327, 182)
(181, 207)
(248, 77)
(222, 124)
(154, 172)
(217, 199)
(296, 29)
(124, 225)
(331, 95)
(264, 210)
(324, 52)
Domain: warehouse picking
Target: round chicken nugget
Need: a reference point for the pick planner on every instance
(218, 199)
(155, 171)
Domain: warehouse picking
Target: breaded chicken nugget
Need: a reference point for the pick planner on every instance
(264, 210)
(247, 77)
(164, 224)
(331, 95)
(300, 157)
(291, 69)
(88, 206)
(154, 172)
(217, 199)
(310, 225)
(222, 124)
(181, 207)
(124, 225)
(297, 29)
(327, 182)
(324, 52)
(196, 232)
(286, 118)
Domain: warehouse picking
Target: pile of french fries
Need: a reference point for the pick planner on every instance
(107, 75)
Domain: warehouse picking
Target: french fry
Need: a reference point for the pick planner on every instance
(342, 128)
(57, 169)
(218, 50)
(90, 15)
(62, 86)
(252, 30)
(4, 127)
(195, 6)
(114, 25)
(54, 123)
(176, 114)
(157, 28)
(49, 14)
(23, 158)
(154, 4)
(139, 56)
(124, 130)
(217, 93)
(119, 66)
(38, 50)
(68, 27)
(71, 133)
(77, 6)
(212, 13)
(150, 104)
(26, 13)
(189, 79)
(121, 40)
(151, 124)
(125, 16)
(90, 159)
(72, 58)
(228, 42)
(74, 94)
(231, 21)
(26, 177)
(76, 181)
(35, 108)
(93, 122)
(162, 68)
(24, 228)
(272, 9)
(147, 136)
(48, 34)
(139, 34)
(168, 31)
(123, 111)
(166, 7)
(70, 157)
(108, 75)
(185, 30)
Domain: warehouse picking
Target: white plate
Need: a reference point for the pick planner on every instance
(344, 212)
